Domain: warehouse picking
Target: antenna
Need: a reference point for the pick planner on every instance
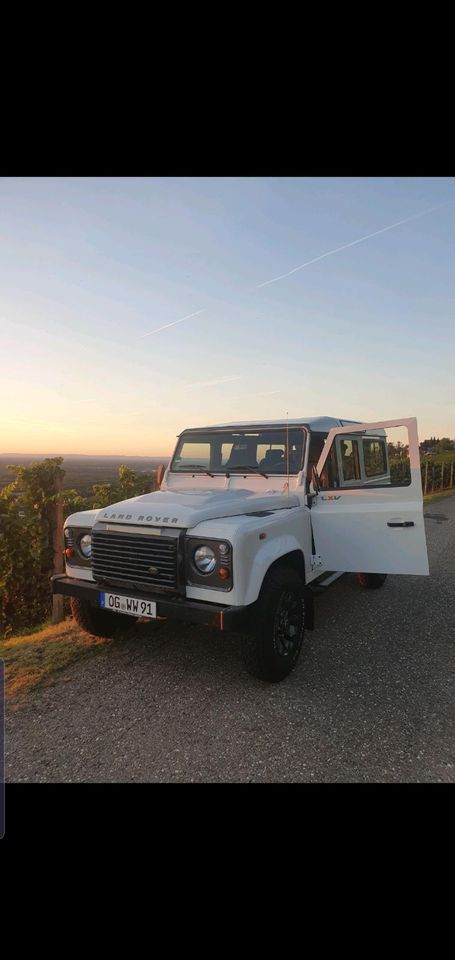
(287, 446)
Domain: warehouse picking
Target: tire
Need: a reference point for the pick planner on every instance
(100, 623)
(371, 581)
(271, 650)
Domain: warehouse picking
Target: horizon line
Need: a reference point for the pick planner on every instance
(138, 456)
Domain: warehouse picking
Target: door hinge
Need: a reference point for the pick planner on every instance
(316, 561)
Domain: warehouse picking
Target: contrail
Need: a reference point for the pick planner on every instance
(353, 243)
(166, 325)
(266, 393)
(211, 383)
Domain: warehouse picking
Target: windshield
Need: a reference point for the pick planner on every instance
(252, 450)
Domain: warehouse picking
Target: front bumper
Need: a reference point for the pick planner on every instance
(194, 611)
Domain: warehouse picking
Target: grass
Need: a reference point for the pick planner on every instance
(34, 656)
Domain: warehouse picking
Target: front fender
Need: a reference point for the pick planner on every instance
(85, 518)
(257, 565)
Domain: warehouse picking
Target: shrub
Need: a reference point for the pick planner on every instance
(27, 521)
(27, 517)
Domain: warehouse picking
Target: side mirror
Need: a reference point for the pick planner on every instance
(160, 471)
(315, 486)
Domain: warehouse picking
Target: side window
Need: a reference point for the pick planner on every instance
(379, 459)
(374, 457)
(330, 478)
(350, 462)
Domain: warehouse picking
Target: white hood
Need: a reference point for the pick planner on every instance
(187, 508)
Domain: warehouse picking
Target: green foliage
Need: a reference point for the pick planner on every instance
(447, 457)
(27, 512)
(398, 449)
(27, 518)
(437, 469)
(131, 484)
(103, 495)
(400, 471)
(73, 502)
(438, 472)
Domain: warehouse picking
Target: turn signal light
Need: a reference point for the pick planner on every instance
(69, 552)
(223, 573)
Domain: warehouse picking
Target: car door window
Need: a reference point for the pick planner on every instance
(374, 457)
(350, 460)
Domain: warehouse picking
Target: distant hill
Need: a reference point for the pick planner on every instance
(82, 470)
(123, 457)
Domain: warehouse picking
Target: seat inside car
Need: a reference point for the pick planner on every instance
(273, 460)
(241, 457)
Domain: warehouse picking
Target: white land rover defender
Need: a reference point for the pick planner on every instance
(250, 519)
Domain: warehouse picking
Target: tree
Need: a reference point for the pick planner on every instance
(445, 444)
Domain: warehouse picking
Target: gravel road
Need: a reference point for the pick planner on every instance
(372, 699)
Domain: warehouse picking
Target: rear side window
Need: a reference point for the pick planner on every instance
(375, 457)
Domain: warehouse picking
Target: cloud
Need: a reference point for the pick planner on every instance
(166, 325)
(353, 243)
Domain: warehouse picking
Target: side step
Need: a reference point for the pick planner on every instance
(317, 586)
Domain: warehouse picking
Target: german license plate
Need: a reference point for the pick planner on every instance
(119, 604)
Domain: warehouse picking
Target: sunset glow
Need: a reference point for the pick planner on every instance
(133, 308)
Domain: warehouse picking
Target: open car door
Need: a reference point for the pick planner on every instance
(367, 515)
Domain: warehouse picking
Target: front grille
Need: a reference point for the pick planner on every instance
(125, 558)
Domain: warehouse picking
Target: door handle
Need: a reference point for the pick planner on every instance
(401, 523)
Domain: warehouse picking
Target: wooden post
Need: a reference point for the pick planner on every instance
(432, 479)
(451, 474)
(442, 475)
(160, 470)
(426, 480)
(57, 538)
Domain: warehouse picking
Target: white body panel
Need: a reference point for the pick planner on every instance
(187, 507)
(350, 526)
(350, 529)
(285, 531)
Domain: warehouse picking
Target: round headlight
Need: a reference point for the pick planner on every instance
(85, 545)
(204, 559)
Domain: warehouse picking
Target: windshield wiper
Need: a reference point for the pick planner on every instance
(196, 466)
(247, 466)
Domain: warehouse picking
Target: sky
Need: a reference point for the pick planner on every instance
(132, 308)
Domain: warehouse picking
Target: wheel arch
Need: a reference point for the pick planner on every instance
(294, 560)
